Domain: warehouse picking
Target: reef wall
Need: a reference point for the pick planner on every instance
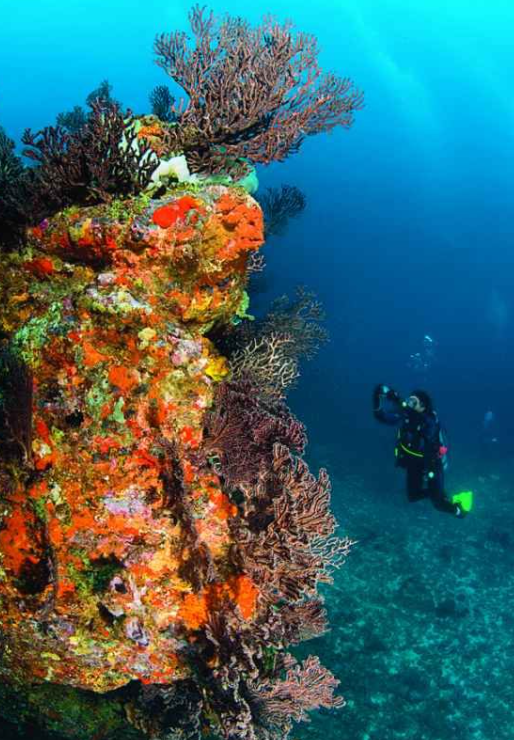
(123, 541)
(162, 539)
(106, 319)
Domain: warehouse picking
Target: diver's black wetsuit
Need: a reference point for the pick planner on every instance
(417, 449)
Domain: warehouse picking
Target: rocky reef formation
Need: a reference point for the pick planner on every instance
(161, 537)
(138, 543)
(100, 544)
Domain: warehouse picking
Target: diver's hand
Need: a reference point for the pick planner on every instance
(387, 392)
(380, 392)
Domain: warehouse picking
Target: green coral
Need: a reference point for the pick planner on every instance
(95, 576)
(33, 335)
(117, 414)
(118, 211)
(98, 394)
(123, 210)
(249, 182)
(241, 311)
(39, 506)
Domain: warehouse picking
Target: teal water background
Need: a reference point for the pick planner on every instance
(408, 231)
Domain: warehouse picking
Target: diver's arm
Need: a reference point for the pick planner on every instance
(387, 406)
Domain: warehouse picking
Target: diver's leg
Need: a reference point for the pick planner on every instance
(415, 490)
(437, 495)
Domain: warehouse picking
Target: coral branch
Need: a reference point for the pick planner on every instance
(268, 351)
(253, 93)
(267, 360)
(288, 547)
(102, 160)
(15, 184)
(241, 430)
(305, 688)
(300, 320)
(279, 205)
(162, 102)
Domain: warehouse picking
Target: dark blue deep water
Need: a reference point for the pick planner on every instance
(408, 232)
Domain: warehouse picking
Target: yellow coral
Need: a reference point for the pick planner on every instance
(217, 368)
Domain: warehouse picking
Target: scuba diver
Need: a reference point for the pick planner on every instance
(420, 447)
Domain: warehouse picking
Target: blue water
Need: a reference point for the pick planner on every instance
(408, 232)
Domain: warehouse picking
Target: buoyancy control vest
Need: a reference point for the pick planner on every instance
(421, 438)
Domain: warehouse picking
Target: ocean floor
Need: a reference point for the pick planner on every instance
(422, 613)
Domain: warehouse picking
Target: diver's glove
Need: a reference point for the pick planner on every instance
(382, 391)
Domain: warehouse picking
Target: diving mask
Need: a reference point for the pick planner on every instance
(411, 403)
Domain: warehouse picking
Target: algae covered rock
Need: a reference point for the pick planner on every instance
(105, 313)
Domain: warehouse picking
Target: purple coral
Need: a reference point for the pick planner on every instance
(288, 547)
(279, 205)
(101, 161)
(305, 688)
(253, 93)
(242, 429)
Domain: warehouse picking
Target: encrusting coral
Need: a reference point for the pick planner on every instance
(120, 530)
(109, 318)
(161, 537)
